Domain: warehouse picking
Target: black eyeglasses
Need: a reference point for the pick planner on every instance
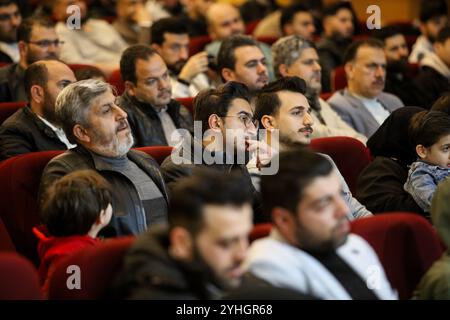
(47, 43)
(245, 119)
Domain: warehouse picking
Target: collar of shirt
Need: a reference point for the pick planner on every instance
(59, 133)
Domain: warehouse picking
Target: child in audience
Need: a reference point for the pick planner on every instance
(430, 133)
(75, 209)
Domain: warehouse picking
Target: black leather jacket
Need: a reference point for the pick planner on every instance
(129, 214)
(145, 124)
(24, 132)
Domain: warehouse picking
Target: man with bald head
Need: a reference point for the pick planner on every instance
(34, 128)
(224, 20)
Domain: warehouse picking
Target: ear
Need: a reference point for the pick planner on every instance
(288, 29)
(37, 94)
(349, 68)
(181, 243)
(215, 122)
(22, 47)
(81, 134)
(421, 151)
(157, 47)
(283, 70)
(227, 74)
(130, 88)
(283, 219)
(105, 216)
(268, 122)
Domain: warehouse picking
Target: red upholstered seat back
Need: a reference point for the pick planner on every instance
(159, 153)
(19, 279)
(198, 44)
(406, 244)
(6, 243)
(8, 108)
(20, 178)
(188, 103)
(115, 79)
(97, 266)
(349, 154)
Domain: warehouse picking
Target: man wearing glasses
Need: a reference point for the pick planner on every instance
(37, 41)
(10, 19)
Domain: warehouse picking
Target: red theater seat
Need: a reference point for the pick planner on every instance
(20, 178)
(197, 44)
(98, 265)
(6, 243)
(7, 109)
(349, 154)
(406, 244)
(260, 230)
(19, 279)
(115, 79)
(159, 153)
(188, 103)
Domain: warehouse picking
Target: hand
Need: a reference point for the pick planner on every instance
(196, 64)
(263, 152)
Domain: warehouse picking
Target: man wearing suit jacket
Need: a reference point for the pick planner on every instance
(363, 104)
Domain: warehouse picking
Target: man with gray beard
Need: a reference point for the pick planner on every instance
(90, 118)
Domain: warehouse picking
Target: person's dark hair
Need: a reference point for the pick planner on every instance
(267, 102)
(427, 127)
(334, 8)
(217, 101)
(386, 32)
(89, 72)
(430, 9)
(352, 50)
(288, 13)
(35, 74)
(129, 59)
(443, 35)
(442, 104)
(167, 25)
(204, 187)
(73, 203)
(297, 169)
(226, 57)
(26, 27)
(4, 3)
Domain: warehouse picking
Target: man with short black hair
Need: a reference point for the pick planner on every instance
(240, 59)
(297, 20)
(153, 115)
(170, 39)
(10, 19)
(35, 127)
(310, 248)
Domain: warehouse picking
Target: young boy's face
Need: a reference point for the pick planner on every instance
(439, 153)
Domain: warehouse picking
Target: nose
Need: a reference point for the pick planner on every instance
(261, 68)
(16, 20)
(380, 72)
(317, 66)
(240, 251)
(184, 53)
(341, 208)
(120, 113)
(163, 83)
(308, 119)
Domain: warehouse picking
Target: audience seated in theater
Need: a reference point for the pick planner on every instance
(10, 19)
(399, 78)
(194, 16)
(94, 41)
(433, 16)
(282, 105)
(37, 41)
(132, 21)
(429, 132)
(380, 184)
(75, 209)
(363, 104)
(35, 127)
(224, 20)
(89, 116)
(434, 76)
(228, 136)
(152, 114)
(188, 75)
(434, 284)
(338, 30)
(89, 72)
(310, 248)
(295, 56)
(240, 59)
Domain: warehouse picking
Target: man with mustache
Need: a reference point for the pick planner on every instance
(35, 127)
(153, 115)
(363, 104)
(310, 248)
(240, 59)
(283, 106)
(10, 19)
(37, 41)
(90, 118)
(296, 56)
(188, 75)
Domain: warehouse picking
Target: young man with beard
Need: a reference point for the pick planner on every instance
(188, 76)
(37, 40)
(90, 118)
(35, 127)
(310, 248)
(363, 104)
(295, 56)
(199, 256)
(282, 106)
(152, 114)
(10, 19)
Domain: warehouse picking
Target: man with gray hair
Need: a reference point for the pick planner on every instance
(90, 118)
(295, 56)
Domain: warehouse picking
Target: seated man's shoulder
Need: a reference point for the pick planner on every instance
(338, 100)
